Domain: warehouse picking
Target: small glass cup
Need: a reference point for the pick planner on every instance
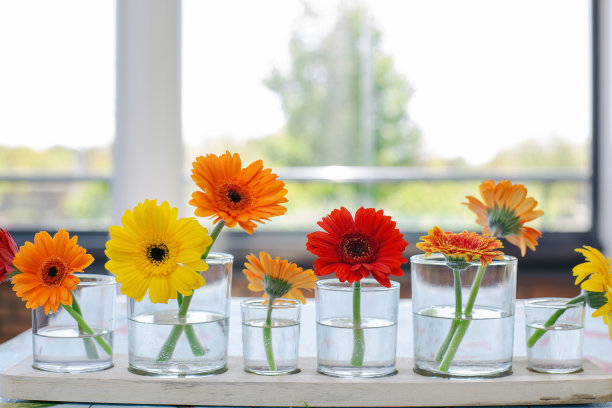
(60, 345)
(271, 336)
(554, 347)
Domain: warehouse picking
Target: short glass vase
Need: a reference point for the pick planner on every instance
(161, 342)
(554, 347)
(463, 320)
(271, 336)
(356, 332)
(63, 345)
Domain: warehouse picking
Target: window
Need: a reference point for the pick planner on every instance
(57, 125)
(402, 106)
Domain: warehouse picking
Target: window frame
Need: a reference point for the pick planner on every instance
(556, 249)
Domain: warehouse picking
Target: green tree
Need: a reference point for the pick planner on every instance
(344, 101)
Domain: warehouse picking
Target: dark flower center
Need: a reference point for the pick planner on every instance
(234, 197)
(53, 271)
(157, 253)
(356, 247)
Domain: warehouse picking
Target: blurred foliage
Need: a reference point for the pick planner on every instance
(549, 153)
(55, 160)
(345, 104)
(344, 101)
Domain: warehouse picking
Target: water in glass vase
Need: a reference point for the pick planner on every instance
(558, 351)
(480, 353)
(149, 331)
(66, 349)
(285, 335)
(335, 338)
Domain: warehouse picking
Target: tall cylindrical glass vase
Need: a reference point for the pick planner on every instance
(162, 343)
(463, 320)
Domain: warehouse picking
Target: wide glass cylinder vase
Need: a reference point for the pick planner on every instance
(463, 318)
(162, 342)
(555, 335)
(271, 336)
(356, 330)
(61, 344)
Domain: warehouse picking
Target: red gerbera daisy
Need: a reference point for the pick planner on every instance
(355, 248)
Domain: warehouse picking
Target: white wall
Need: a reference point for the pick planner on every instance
(605, 114)
(148, 152)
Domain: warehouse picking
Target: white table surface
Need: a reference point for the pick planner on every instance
(597, 346)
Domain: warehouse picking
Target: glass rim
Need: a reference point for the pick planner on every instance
(552, 303)
(258, 303)
(335, 284)
(438, 258)
(95, 279)
(216, 258)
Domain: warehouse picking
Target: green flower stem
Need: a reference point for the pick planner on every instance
(167, 349)
(455, 322)
(358, 340)
(90, 347)
(267, 337)
(463, 324)
(196, 347)
(83, 325)
(536, 335)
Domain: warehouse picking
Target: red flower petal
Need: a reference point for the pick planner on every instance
(355, 248)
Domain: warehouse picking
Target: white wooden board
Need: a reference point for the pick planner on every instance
(238, 388)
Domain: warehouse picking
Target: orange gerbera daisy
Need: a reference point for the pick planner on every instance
(235, 194)
(505, 210)
(47, 268)
(460, 249)
(355, 248)
(277, 277)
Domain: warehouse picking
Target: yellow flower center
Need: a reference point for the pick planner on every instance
(53, 271)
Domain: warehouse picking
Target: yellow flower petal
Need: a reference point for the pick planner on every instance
(155, 251)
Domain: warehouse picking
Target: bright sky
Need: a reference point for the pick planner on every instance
(486, 73)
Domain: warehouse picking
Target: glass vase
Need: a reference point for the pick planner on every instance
(62, 345)
(162, 343)
(463, 320)
(554, 347)
(356, 335)
(270, 336)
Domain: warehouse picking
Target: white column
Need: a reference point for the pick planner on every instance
(605, 125)
(148, 151)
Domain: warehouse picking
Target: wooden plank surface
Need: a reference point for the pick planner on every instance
(238, 388)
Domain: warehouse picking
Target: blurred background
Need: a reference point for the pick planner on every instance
(405, 106)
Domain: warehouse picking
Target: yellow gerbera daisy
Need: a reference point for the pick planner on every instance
(277, 277)
(155, 251)
(594, 276)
